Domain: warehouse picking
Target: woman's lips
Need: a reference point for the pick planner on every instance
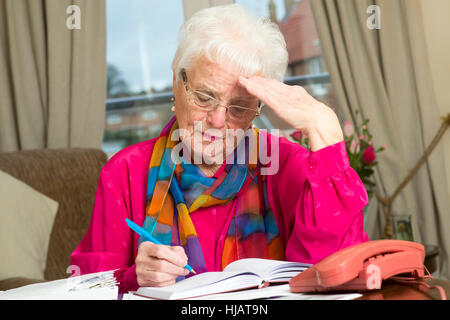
(208, 137)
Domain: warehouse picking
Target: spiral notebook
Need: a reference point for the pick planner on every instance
(94, 286)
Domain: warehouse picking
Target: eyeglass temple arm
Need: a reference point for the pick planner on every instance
(183, 75)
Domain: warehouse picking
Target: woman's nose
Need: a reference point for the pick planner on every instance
(217, 117)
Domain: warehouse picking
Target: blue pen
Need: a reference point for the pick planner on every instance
(148, 236)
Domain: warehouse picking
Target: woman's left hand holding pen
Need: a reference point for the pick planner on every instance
(159, 265)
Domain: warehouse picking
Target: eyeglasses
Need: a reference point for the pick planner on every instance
(207, 103)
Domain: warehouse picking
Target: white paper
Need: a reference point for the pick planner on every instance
(279, 292)
(72, 288)
(131, 296)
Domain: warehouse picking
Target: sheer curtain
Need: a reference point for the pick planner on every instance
(385, 74)
(52, 74)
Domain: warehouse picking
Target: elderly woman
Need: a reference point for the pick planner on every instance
(200, 188)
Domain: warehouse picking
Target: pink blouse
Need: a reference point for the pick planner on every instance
(316, 197)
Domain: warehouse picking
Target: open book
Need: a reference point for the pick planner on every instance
(238, 275)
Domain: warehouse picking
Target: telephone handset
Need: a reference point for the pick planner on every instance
(362, 267)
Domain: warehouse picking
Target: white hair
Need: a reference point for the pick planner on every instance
(229, 34)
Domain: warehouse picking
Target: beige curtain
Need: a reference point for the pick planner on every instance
(385, 74)
(52, 77)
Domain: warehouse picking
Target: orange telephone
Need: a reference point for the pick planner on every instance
(362, 267)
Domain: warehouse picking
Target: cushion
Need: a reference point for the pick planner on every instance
(26, 221)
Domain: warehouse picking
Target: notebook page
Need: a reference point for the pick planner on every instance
(251, 294)
(201, 284)
(279, 292)
(240, 282)
(267, 268)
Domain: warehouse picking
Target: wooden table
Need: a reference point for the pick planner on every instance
(392, 290)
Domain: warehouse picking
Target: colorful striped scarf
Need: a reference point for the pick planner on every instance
(175, 189)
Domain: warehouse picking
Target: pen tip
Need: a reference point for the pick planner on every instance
(193, 271)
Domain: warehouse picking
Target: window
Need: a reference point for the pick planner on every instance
(306, 65)
(141, 42)
(113, 119)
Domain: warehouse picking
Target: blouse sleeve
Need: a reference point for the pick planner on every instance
(108, 244)
(317, 198)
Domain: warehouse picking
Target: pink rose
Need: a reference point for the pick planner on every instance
(296, 135)
(369, 155)
(348, 128)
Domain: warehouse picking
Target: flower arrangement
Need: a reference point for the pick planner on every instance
(360, 150)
